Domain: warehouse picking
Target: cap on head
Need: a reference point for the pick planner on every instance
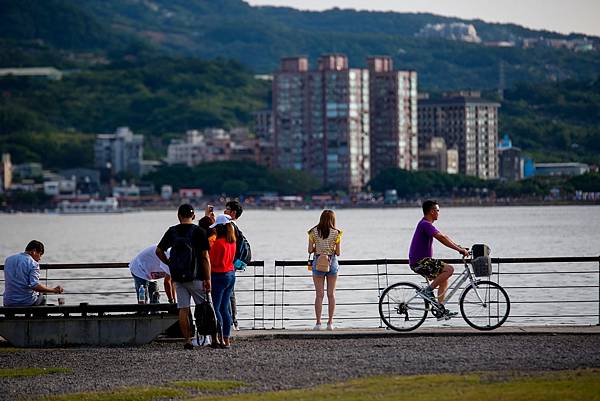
(185, 211)
(221, 219)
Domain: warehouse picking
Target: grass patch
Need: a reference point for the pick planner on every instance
(210, 385)
(10, 349)
(125, 394)
(26, 372)
(577, 385)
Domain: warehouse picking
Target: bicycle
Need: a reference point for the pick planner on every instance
(484, 304)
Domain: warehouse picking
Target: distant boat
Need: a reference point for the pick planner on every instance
(108, 205)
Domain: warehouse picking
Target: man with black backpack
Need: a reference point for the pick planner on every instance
(188, 263)
(243, 254)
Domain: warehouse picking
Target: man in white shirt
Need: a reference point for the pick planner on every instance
(146, 268)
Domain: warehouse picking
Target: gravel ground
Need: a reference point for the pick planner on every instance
(274, 364)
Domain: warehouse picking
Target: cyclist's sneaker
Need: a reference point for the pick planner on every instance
(447, 315)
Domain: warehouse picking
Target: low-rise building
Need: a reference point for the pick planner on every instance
(216, 144)
(43, 72)
(88, 180)
(511, 163)
(60, 187)
(437, 157)
(27, 171)
(558, 169)
(190, 193)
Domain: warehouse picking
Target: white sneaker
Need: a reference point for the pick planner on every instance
(201, 341)
(236, 327)
(330, 326)
(317, 327)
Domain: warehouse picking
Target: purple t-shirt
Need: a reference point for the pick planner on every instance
(421, 245)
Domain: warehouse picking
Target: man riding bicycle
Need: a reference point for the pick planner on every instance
(421, 260)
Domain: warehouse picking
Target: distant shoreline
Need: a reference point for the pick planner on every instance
(333, 205)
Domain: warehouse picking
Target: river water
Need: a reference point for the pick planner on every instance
(532, 231)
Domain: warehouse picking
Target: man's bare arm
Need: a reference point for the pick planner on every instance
(169, 289)
(444, 239)
(162, 256)
(48, 290)
(205, 266)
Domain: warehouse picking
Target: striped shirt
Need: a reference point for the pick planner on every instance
(325, 245)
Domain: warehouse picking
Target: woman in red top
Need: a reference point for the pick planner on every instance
(222, 253)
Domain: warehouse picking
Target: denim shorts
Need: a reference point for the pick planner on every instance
(333, 267)
(151, 288)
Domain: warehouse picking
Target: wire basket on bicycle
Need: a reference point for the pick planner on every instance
(482, 266)
(482, 263)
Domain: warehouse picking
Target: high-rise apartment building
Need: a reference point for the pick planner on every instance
(321, 120)
(466, 122)
(120, 152)
(393, 116)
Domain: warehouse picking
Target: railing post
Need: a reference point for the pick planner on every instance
(282, 294)
(254, 299)
(263, 295)
(379, 289)
(275, 295)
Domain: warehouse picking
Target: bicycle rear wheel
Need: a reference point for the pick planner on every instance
(401, 309)
(484, 305)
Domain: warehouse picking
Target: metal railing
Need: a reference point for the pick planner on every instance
(554, 290)
(112, 283)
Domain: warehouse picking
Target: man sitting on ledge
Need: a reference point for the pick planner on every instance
(22, 278)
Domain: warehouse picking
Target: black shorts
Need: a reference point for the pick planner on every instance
(429, 267)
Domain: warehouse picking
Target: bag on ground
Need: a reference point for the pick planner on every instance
(206, 321)
(182, 260)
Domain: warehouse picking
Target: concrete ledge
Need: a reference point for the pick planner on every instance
(56, 326)
(106, 330)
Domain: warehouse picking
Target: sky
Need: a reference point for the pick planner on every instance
(564, 16)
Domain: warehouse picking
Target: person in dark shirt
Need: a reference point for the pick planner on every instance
(199, 287)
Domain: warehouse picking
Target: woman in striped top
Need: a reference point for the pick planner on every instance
(324, 239)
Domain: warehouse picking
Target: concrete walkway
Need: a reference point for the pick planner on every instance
(425, 331)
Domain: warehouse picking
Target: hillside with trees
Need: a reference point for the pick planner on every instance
(159, 98)
(260, 36)
(166, 66)
(554, 121)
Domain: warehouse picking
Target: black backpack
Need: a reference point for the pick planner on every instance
(242, 248)
(182, 260)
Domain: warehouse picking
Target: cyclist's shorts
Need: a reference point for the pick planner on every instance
(429, 267)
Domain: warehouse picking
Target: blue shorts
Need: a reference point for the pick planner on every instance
(333, 267)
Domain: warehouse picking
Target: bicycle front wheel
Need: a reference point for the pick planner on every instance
(400, 307)
(484, 305)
